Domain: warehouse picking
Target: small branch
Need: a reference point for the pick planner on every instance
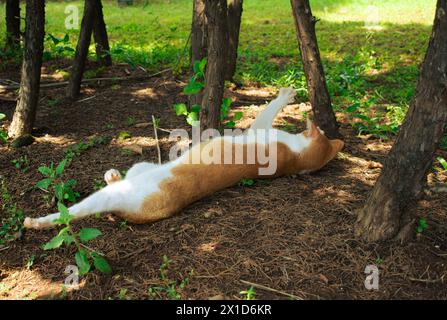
(260, 286)
(427, 280)
(156, 139)
(4, 88)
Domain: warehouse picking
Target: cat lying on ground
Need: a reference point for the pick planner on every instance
(151, 192)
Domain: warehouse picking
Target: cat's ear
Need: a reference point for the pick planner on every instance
(312, 129)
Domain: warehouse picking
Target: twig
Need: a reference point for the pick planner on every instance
(156, 139)
(85, 99)
(260, 286)
(64, 83)
(4, 248)
(88, 248)
(428, 280)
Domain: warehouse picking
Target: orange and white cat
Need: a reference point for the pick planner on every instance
(151, 192)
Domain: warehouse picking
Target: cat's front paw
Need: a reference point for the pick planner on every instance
(288, 94)
(112, 176)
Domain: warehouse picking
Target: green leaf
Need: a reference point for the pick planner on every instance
(353, 107)
(230, 124)
(54, 243)
(193, 87)
(196, 66)
(180, 109)
(82, 262)
(442, 162)
(202, 65)
(2, 116)
(423, 223)
(238, 115)
(46, 171)
(192, 116)
(123, 135)
(61, 166)
(87, 234)
(196, 108)
(65, 216)
(3, 136)
(44, 183)
(101, 264)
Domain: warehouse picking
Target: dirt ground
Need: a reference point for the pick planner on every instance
(292, 234)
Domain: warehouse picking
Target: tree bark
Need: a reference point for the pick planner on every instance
(25, 113)
(12, 23)
(100, 35)
(313, 68)
(386, 212)
(216, 14)
(234, 26)
(74, 85)
(198, 42)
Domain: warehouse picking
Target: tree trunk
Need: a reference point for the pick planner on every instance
(100, 35)
(12, 23)
(25, 113)
(404, 173)
(234, 25)
(74, 85)
(198, 42)
(216, 14)
(313, 68)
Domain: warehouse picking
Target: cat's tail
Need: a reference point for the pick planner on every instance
(112, 198)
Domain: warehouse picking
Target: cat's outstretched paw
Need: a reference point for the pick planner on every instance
(112, 176)
(288, 94)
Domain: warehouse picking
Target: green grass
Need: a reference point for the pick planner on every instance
(361, 64)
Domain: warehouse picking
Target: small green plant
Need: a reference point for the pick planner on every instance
(123, 135)
(130, 121)
(30, 261)
(123, 294)
(169, 288)
(422, 225)
(443, 163)
(246, 182)
(3, 133)
(84, 256)
(12, 223)
(82, 146)
(195, 85)
(60, 46)
(99, 184)
(287, 126)
(124, 224)
(62, 191)
(371, 125)
(249, 294)
(21, 162)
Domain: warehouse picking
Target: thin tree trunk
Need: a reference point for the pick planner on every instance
(313, 68)
(216, 14)
(74, 85)
(404, 175)
(100, 36)
(25, 113)
(198, 42)
(234, 26)
(12, 23)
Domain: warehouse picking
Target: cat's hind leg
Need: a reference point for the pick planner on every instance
(121, 196)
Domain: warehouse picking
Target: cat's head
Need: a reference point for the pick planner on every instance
(321, 149)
